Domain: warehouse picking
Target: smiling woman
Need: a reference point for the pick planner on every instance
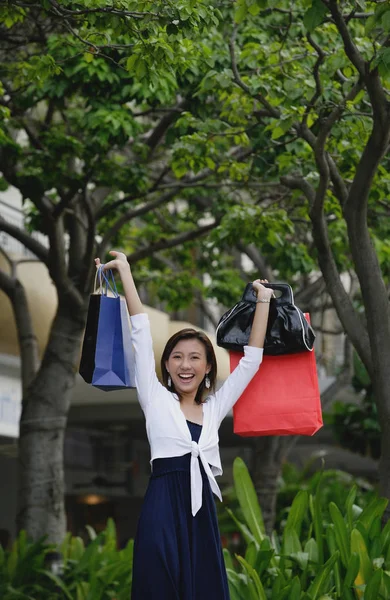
(177, 551)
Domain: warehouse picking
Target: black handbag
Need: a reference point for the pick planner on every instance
(288, 331)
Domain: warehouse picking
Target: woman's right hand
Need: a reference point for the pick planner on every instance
(119, 262)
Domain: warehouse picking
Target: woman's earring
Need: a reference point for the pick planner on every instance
(169, 381)
(207, 382)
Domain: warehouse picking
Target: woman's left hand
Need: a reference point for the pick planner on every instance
(261, 291)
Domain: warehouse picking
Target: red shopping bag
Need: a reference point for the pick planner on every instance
(283, 398)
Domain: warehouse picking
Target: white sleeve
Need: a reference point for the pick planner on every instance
(235, 384)
(147, 384)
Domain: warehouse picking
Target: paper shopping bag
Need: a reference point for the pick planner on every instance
(283, 398)
(107, 354)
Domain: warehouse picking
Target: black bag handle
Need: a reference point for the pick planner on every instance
(287, 296)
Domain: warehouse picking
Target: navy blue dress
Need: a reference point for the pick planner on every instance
(178, 556)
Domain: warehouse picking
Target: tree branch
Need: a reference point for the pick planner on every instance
(253, 253)
(24, 238)
(367, 167)
(28, 343)
(89, 267)
(205, 308)
(305, 296)
(350, 49)
(57, 265)
(347, 314)
(110, 10)
(370, 76)
(272, 111)
(316, 73)
(105, 210)
(172, 242)
(128, 216)
(336, 113)
(163, 125)
(24, 184)
(7, 284)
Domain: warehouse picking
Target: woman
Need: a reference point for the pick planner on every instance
(177, 551)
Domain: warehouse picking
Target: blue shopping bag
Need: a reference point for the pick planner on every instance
(107, 360)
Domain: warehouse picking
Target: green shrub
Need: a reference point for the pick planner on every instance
(335, 486)
(327, 549)
(98, 571)
(322, 553)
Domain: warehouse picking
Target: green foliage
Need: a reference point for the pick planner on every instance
(96, 93)
(332, 551)
(334, 485)
(340, 553)
(98, 571)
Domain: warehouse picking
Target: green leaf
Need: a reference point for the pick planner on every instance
(295, 589)
(385, 537)
(352, 570)
(247, 499)
(255, 578)
(349, 502)
(341, 533)
(311, 548)
(320, 585)
(373, 586)
(316, 510)
(277, 132)
(241, 12)
(291, 542)
(297, 512)
(358, 546)
(315, 15)
(251, 554)
(330, 536)
(131, 62)
(59, 583)
(228, 559)
(248, 537)
(375, 508)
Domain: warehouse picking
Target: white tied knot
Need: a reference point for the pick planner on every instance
(194, 449)
(196, 478)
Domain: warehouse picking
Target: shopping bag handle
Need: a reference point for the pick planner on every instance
(100, 274)
(287, 296)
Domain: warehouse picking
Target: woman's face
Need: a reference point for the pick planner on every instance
(187, 365)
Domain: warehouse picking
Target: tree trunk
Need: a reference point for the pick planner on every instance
(382, 398)
(42, 426)
(28, 344)
(269, 454)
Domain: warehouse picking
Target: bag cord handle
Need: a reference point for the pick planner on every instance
(101, 276)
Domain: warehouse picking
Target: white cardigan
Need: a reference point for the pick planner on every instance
(166, 425)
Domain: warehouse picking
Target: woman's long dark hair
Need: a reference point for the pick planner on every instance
(191, 334)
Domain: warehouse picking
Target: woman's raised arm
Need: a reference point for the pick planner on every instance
(248, 366)
(260, 320)
(146, 380)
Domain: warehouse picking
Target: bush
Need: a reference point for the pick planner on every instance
(327, 549)
(96, 572)
(337, 552)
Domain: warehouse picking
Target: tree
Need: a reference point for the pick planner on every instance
(80, 137)
(154, 124)
(306, 84)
